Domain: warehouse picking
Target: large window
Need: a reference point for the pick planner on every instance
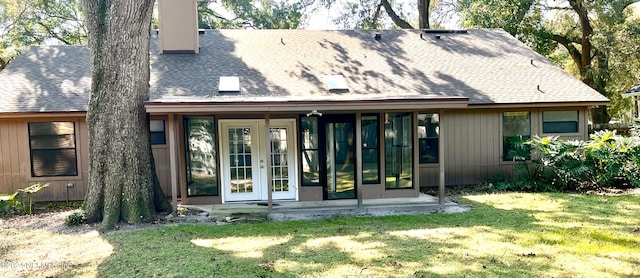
(516, 128)
(201, 156)
(156, 128)
(310, 151)
(53, 149)
(428, 133)
(370, 149)
(560, 121)
(398, 136)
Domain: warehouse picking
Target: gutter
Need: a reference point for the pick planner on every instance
(305, 106)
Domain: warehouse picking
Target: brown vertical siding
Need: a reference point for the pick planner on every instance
(15, 169)
(10, 160)
(472, 151)
(161, 157)
(310, 193)
(15, 163)
(429, 175)
(474, 144)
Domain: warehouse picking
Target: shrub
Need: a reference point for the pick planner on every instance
(9, 204)
(607, 159)
(76, 218)
(529, 173)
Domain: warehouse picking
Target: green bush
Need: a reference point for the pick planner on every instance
(529, 175)
(561, 162)
(605, 160)
(76, 218)
(9, 204)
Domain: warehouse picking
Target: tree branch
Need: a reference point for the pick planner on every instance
(3, 64)
(53, 34)
(568, 44)
(587, 31)
(376, 14)
(12, 23)
(394, 17)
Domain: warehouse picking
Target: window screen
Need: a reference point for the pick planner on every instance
(53, 149)
(156, 128)
(560, 121)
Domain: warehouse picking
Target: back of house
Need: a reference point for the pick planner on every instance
(248, 115)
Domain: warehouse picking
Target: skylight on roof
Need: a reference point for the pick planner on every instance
(336, 82)
(229, 84)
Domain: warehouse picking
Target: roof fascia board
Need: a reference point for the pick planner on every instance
(13, 115)
(536, 105)
(155, 107)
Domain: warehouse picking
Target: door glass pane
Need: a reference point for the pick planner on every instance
(240, 158)
(370, 149)
(428, 133)
(398, 150)
(340, 161)
(279, 154)
(310, 152)
(201, 155)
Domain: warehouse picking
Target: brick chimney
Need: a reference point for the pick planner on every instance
(178, 26)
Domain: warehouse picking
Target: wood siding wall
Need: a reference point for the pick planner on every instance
(473, 145)
(473, 151)
(15, 163)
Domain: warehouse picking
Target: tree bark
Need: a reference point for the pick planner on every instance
(397, 20)
(586, 46)
(121, 180)
(423, 14)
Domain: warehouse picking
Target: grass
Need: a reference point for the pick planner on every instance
(504, 235)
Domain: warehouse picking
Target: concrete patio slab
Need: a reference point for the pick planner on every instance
(313, 210)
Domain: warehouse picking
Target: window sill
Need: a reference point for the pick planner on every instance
(54, 178)
(562, 134)
(511, 162)
(401, 188)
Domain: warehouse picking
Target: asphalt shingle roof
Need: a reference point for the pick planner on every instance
(488, 66)
(633, 91)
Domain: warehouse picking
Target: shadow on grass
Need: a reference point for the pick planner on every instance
(495, 238)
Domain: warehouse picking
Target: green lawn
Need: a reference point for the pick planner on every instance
(504, 235)
(515, 235)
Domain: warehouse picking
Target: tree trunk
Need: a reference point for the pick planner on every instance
(121, 180)
(423, 14)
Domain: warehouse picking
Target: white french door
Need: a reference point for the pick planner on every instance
(244, 156)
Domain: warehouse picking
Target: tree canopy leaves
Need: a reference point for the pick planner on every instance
(597, 40)
(375, 14)
(32, 22)
(35, 22)
(260, 14)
